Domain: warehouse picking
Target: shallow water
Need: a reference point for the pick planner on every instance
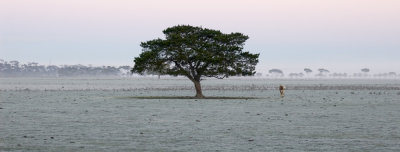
(90, 115)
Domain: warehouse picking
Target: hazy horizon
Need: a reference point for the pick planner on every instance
(339, 35)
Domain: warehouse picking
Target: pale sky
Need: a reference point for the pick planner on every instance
(340, 35)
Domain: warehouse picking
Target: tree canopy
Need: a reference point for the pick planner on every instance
(276, 71)
(196, 52)
(307, 70)
(366, 70)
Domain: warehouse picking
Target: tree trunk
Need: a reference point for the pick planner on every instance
(199, 93)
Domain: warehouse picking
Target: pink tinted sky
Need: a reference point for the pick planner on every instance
(341, 35)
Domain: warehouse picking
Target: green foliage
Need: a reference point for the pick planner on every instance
(196, 52)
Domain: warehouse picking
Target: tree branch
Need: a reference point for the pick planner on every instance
(186, 72)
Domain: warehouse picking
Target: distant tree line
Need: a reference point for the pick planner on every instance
(325, 73)
(33, 69)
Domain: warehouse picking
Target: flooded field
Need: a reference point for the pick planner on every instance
(84, 114)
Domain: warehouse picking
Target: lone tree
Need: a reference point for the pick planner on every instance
(307, 70)
(322, 72)
(276, 72)
(196, 52)
(365, 70)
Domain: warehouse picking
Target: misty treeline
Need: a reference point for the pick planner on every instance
(325, 73)
(33, 69)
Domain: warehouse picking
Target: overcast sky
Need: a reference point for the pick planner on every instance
(340, 35)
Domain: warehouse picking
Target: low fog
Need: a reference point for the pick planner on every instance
(34, 69)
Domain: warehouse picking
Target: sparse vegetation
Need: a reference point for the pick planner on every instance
(34, 69)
